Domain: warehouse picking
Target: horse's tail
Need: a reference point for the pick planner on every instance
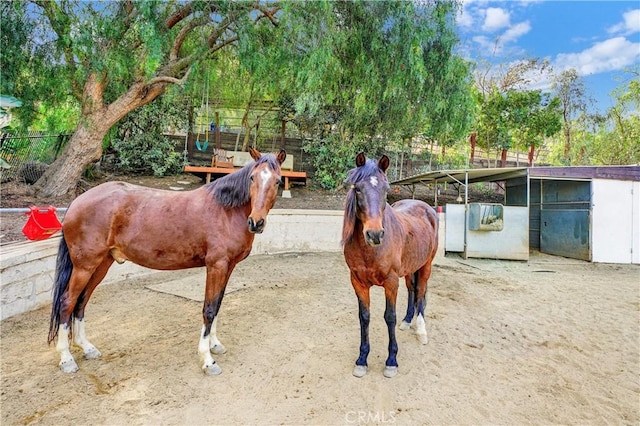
(64, 267)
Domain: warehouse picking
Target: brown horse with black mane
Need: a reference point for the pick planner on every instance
(381, 244)
(212, 226)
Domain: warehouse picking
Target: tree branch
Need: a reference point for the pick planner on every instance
(172, 20)
(184, 33)
(269, 14)
(165, 79)
(223, 44)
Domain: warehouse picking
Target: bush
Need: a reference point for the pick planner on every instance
(333, 158)
(148, 153)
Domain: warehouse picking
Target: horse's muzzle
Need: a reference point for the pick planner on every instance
(374, 238)
(256, 227)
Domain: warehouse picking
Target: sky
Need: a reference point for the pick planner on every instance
(597, 38)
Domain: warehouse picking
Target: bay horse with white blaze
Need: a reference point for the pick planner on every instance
(381, 244)
(212, 226)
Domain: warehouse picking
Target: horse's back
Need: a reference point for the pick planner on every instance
(410, 210)
(419, 220)
(116, 213)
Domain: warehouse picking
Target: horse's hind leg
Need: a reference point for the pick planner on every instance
(421, 302)
(411, 281)
(77, 283)
(79, 335)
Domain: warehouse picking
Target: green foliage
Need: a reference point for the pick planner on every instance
(517, 118)
(610, 139)
(372, 64)
(148, 152)
(333, 158)
(139, 142)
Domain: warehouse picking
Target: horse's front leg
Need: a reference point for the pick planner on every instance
(390, 294)
(217, 277)
(362, 292)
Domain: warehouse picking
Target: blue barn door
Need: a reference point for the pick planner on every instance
(565, 218)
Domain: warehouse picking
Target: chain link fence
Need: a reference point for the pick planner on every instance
(25, 156)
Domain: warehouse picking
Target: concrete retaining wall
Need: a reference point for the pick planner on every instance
(27, 269)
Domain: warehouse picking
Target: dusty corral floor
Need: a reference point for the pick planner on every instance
(549, 341)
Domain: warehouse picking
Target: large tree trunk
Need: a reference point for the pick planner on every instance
(85, 145)
(61, 177)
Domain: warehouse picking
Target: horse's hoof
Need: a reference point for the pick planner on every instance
(92, 354)
(69, 366)
(360, 370)
(405, 325)
(390, 371)
(422, 338)
(218, 349)
(212, 370)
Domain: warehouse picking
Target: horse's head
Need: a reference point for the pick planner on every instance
(367, 199)
(265, 179)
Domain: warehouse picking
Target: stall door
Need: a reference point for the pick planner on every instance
(565, 218)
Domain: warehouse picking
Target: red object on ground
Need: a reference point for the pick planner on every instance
(42, 223)
(439, 210)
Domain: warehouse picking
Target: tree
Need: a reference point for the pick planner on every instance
(388, 81)
(570, 89)
(500, 107)
(363, 60)
(533, 116)
(114, 57)
(618, 139)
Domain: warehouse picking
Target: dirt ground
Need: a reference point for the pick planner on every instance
(549, 341)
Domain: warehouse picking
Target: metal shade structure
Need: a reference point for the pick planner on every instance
(462, 177)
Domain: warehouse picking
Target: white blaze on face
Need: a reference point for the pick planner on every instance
(374, 181)
(265, 175)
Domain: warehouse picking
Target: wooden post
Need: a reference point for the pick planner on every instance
(218, 142)
(283, 129)
(472, 139)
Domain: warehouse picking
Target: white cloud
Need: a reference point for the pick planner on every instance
(610, 55)
(495, 18)
(515, 32)
(465, 18)
(629, 25)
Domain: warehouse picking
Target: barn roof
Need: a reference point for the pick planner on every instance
(505, 173)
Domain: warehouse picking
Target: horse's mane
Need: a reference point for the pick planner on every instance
(354, 175)
(232, 190)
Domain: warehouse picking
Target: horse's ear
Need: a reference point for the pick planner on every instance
(255, 154)
(282, 155)
(360, 159)
(383, 163)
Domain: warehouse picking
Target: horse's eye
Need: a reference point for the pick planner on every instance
(251, 178)
(278, 182)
